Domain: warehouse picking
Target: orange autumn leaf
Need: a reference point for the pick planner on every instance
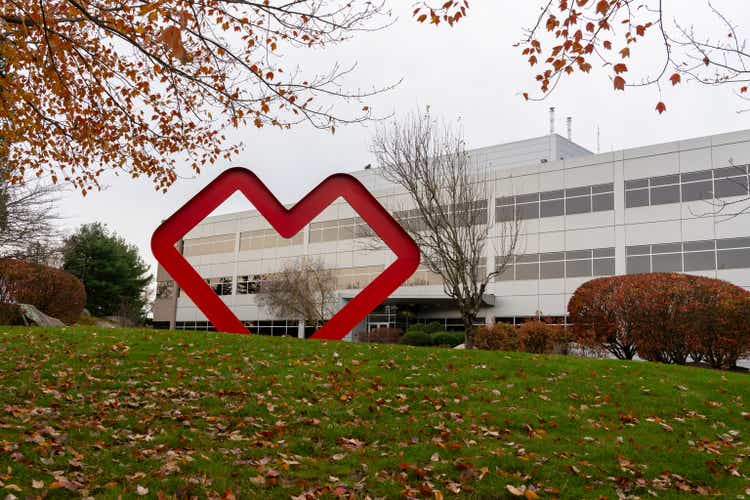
(619, 83)
(675, 78)
(661, 107)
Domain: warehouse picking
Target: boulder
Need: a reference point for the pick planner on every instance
(460, 346)
(34, 316)
(85, 313)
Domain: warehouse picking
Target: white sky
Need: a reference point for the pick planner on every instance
(471, 71)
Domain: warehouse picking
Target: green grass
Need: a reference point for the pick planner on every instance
(107, 413)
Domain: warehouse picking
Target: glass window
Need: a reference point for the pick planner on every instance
(734, 259)
(698, 245)
(552, 195)
(604, 267)
(733, 243)
(731, 186)
(506, 274)
(665, 195)
(549, 256)
(638, 250)
(527, 198)
(700, 261)
(578, 268)
(666, 248)
(553, 208)
(638, 265)
(730, 171)
(529, 257)
(696, 176)
(637, 198)
(693, 191)
(552, 270)
(603, 188)
(580, 205)
(527, 271)
(578, 254)
(504, 213)
(604, 252)
(579, 191)
(665, 179)
(667, 263)
(528, 211)
(505, 200)
(636, 183)
(603, 202)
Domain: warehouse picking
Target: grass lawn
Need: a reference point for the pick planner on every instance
(109, 413)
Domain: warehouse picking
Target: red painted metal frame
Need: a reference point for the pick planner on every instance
(287, 222)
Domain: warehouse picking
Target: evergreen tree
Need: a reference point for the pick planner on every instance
(113, 273)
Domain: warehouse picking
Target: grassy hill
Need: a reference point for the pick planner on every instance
(136, 412)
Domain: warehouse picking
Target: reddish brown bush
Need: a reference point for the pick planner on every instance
(381, 335)
(664, 317)
(498, 337)
(537, 336)
(54, 292)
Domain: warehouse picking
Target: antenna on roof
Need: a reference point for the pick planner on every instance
(570, 128)
(551, 120)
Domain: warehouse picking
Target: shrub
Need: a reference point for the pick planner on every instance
(416, 327)
(451, 339)
(10, 314)
(54, 292)
(381, 335)
(499, 337)
(433, 327)
(416, 338)
(562, 340)
(536, 336)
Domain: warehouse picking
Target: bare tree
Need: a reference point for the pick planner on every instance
(450, 218)
(27, 219)
(304, 289)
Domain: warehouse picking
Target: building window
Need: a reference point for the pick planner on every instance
(248, 284)
(267, 238)
(557, 265)
(571, 201)
(704, 255)
(275, 328)
(222, 286)
(223, 243)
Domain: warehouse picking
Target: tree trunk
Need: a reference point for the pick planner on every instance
(468, 331)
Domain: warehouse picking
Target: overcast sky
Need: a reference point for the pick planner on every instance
(471, 72)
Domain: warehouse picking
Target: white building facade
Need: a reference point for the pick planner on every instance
(674, 207)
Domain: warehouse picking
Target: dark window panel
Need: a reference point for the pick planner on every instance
(552, 270)
(698, 245)
(638, 250)
(731, 186)
(550, 256)
(730, 171)
(733, 243)
(528, 211)
(505, 200)
(639, 265)
(506, 274)
(578, 268)
(694, 191)
(667, 263)
(552, 195)
(554, 208)
(637, 198)
(526, 198)
(502, 214)
(581, 205)
(603, 202)
(604, 252)
(578, 254)
(526, 258)
(604, 267)
(527, 271)
(603, 188)
(700, 261)
(696, 176)
(636, 183)
(666, 248)
(579, 191)
(665, 179)
(665, 195)
(734, 259)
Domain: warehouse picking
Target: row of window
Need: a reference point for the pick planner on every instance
(556, 265)
(222, 243)
(688, 186)
(267, 238)
(463, 214)
(340, 229)
(704, 255)
(571, 201)
(276, 328)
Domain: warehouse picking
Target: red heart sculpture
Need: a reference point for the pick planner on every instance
(287, 222)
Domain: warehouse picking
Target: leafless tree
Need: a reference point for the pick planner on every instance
(304, 289)
(27, 216)
(450, 217)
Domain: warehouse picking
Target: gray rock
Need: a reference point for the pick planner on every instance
(460, 346)
(36, 317)
(85, 313)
